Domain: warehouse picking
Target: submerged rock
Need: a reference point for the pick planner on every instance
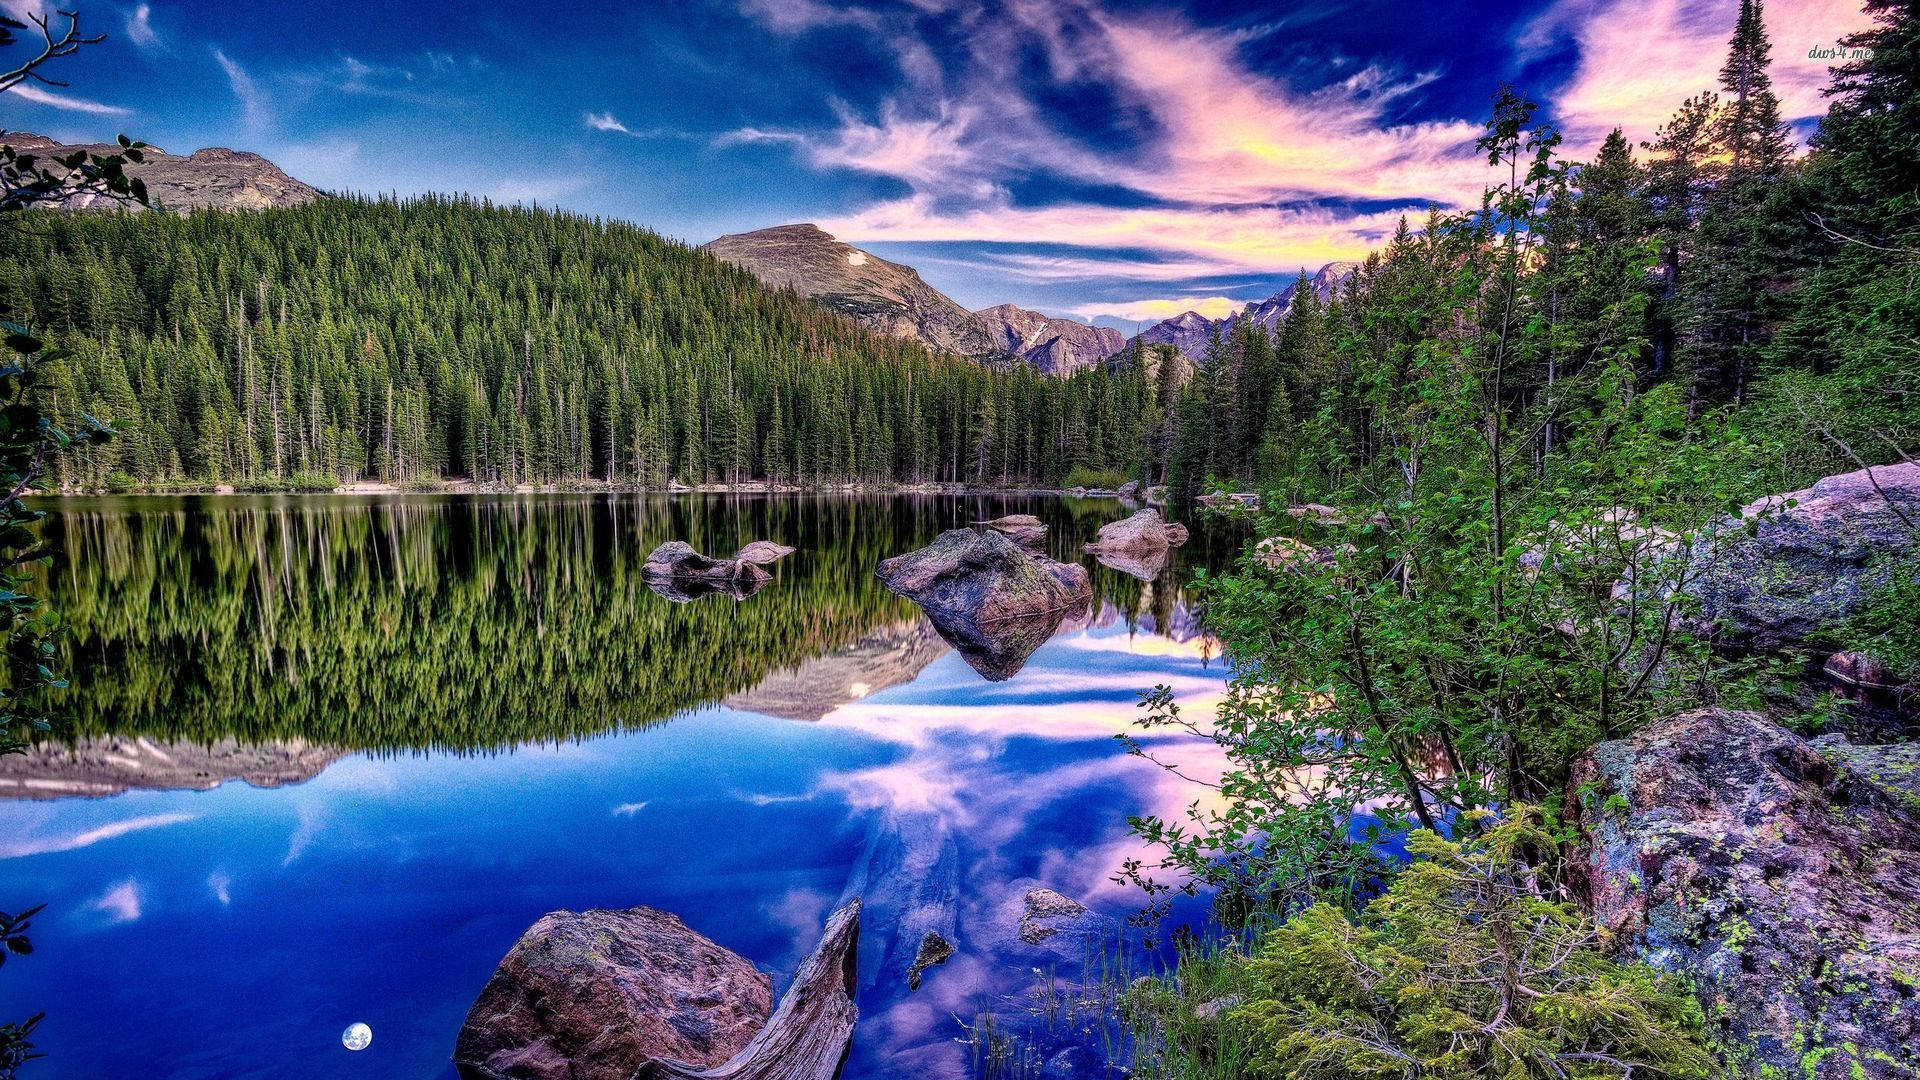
(934, 950)
(1048, 913)
(1143, 533)
(593, 995)
(1793, 565)
(687, 590)
(636, 995)
(980, 575)
(1781, 877)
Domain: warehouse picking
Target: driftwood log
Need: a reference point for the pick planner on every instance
(811, 1029)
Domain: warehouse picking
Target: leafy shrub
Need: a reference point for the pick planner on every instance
(1099, 479)
(1460, 970)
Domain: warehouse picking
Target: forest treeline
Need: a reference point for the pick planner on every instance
(440, 337)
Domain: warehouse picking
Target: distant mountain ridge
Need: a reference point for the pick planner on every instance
(1053, 346)
(215, 177)
(1189, 331)
(894, 299)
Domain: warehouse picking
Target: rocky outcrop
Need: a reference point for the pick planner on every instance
(1782, 877)
(934, 950)
(620, 995)
(110, 764)
(1144, 533)
(677, 562)
(1793, 565)
(1052, 346)
(593, 995)
(1023, 529)
(882, 296)
(215, 178)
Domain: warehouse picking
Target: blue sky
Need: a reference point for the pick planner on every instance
(1118, 161)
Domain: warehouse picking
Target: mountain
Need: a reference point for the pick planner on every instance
(1052, 346)
(880, 295)
(1189, 331)
(215, 177)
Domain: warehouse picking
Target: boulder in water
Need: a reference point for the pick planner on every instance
(1023, 529)
(1143, 533)
(980, 575)
(636, 995)
(593, 995)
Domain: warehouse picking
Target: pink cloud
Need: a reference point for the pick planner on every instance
(1640, 58)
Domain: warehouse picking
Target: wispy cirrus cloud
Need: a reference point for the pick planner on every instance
(42, 845)
(1233, 169)
(1639, 58)
(254, 107)
(140, 29)
(27, 91)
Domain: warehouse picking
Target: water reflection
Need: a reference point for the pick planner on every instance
(825, 741)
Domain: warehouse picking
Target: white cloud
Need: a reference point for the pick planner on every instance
(605, 121)
(27, 91)
(221, 886)
(121, 903)
(42, 845)
(1213, 307)
(253, 102)
(628, 809)
(140, 26)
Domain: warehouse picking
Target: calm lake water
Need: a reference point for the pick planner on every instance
(335, 754)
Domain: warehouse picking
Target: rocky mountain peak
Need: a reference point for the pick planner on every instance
(215, 177)
(1189, 331)
(1054, 346)
(883, 296)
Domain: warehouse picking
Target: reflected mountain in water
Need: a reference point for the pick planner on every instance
(887, 657)
(108, 765)
(475, 623)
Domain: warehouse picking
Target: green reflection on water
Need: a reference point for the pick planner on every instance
(476, 623)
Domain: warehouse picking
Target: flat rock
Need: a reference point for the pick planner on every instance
(1143, 533)
(1023, 529)
(1782, 877)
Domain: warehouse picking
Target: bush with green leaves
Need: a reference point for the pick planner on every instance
(1465, 969)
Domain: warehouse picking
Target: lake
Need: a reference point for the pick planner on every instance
(334, 754)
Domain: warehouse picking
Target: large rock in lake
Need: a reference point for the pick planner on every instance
(1782, 877)
(1795, 564)
(1144, 533)
(983, 575)
(593, 995)
(636, 995)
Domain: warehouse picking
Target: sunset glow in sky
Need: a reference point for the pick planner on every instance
(1125, 161)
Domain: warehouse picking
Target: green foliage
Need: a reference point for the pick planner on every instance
(443, 337)
(1462, 970)
(465, 623)
(1886, 624)
(1096, 479)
